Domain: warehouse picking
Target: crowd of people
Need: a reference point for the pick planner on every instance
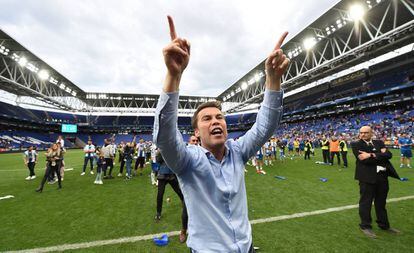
(5, 144)
(299, 142)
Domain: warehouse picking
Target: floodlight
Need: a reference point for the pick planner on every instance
(244, 86)
(23, 61)
(257, 77)
(4, 50)
(356, 12)
(309, 43)
(43, 74)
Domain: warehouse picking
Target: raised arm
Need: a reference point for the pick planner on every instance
(166, 135)
(276, 65)
(270, 113)
(176, 58)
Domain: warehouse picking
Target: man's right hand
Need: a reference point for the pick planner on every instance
(176, 57)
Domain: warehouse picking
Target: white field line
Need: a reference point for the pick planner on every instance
(83, 245)
(7, 197)
(25, 169)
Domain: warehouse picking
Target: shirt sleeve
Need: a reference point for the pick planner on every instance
(267, 120)
(166, 135)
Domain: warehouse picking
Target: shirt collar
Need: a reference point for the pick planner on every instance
(208, 153)
(368, 142)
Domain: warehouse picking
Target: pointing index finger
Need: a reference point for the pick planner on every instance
(281, 39)
(173, 33)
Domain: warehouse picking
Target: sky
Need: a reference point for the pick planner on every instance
(116, 46)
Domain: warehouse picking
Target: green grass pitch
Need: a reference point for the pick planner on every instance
(84, 212)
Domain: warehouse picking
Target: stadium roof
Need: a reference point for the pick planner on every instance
(25, 74)
(349, 33)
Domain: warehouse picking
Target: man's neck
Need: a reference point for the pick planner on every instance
(217, 152)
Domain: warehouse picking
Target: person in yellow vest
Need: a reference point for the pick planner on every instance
(296, 146)
(325, 150)
(343, 148)
(334, 149)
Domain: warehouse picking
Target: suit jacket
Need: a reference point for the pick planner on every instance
(366, 170)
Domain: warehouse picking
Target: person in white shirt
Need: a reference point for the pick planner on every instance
(108, 152)
(154, 165)
(140, 162)
(89, 151)
(30, 160)
(114, 150)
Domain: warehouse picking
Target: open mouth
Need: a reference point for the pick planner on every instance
(216, 131)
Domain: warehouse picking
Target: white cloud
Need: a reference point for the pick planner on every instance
(115, 46)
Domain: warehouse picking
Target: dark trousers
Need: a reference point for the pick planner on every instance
(376, 192)
(140, 162)
(109, 163)
(307, 154)
(31, 166)
(85, 162)
(161, 189)
(325, 154)
(251, 250)
(50, 171)
(344, 158)
(122, 164)
(99, 168)
(337, 156)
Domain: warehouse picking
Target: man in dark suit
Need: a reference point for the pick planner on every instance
(372, 170)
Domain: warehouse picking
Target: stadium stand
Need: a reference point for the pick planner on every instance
(381, 95)
(387, 121)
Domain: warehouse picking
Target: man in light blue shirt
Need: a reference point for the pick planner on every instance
(212, 175)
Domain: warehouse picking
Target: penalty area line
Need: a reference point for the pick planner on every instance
(132, 239)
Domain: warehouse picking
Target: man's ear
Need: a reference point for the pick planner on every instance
(197, 133)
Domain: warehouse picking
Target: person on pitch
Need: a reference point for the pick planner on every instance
(211, 175)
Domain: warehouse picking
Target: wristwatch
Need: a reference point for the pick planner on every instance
(371, 155)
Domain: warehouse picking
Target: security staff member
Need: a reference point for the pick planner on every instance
(372, 171)
(325, 150)
(343, 148)
(334, 150)
(308, 149)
